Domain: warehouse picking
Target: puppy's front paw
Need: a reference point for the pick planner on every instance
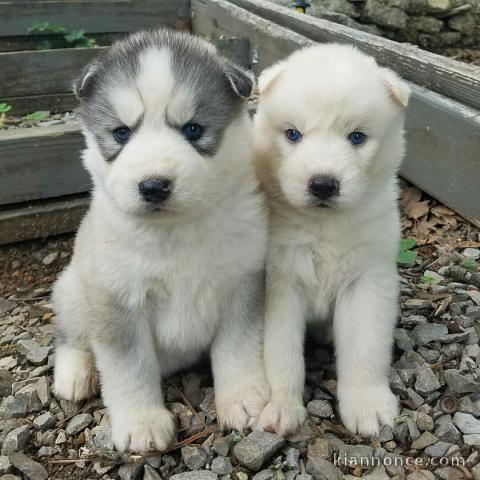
(241, 408)
(282, 417)
(75, 375)
(144, 429)
(365, 409)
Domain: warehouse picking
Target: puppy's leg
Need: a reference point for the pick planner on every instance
(130, 373)
(241, 389)
(364, 320)
(75, 375)
(285, 364)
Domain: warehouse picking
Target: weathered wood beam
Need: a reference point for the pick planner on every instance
(456, 80)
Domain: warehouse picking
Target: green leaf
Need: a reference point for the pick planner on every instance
(44, 45)
(45, 27)
(469, 264)
(36, 116)
(75, 35)
(427, 279)
(405, 256)
(5, 107)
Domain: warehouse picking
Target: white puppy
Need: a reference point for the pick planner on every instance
(329, 141)
(168, 262)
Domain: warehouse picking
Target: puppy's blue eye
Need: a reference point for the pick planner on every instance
(192, 131)
(122, 134)
(357, 138)
(293, 135)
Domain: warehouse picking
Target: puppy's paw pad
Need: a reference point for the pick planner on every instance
(240, 409)
(282, 417)
(147, 429)
(365, 409)
(75, 375)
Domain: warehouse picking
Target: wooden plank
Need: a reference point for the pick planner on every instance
(42, 72)
(42, 219)
(41, 162)
(443, 135)
(55, 103)
(94, 16)
(456, 80)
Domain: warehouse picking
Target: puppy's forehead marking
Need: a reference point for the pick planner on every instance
(155, 80)
(128, 105)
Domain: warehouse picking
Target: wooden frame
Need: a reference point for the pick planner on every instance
(443, 135)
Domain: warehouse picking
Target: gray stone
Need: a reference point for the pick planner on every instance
(431, 356)
(303, 476)
(414, 320)
(447, 432)
(16, 440)
(221, 465)
(198, 475)
(386, 434)
(6, 381)
(257, 448)
(321, 447)
(292, 457)
(466, 423)
(440, 40)
(35, 353)
(472, 439)
(437, 25)
(403, 340)
(31, 398)
(46, 451)
(43, 390)
(320, 409)
(474, 295)
(421, 475)
(430, 332)
(150, 474)
(472, 253)
(194, 458)
(417, 303)
(101, 437)
(355, 454)
(424, 440)
(45, 421)
(130, 471)
(438, 449)
(222, 444)
(50, 258)
(31, 469)
(391, 18)
(458, 383)
(426, 381)
(5, 465)
(264, 475)
(78, 423)
(6, 306)
(321, 469)
(415, 399)
(15, 407)
(436, 6)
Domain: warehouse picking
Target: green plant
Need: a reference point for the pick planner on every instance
(76, 37)
(405, 256)
(46, 27)
(469, 264)
(5, 107)
(36, 116)
(427, 279)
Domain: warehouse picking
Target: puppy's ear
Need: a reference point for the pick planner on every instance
(269, 76)
(240, 80)
(398, 90)
(82, 86)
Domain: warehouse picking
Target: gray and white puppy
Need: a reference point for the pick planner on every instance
(168, 260)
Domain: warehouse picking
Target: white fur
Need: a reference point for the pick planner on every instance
(147, 292)
(325, 263)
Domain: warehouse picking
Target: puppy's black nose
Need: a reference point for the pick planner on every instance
(324, 187)
(155, 190)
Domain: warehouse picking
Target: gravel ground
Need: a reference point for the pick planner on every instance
(434, 374)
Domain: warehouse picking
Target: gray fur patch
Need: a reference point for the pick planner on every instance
(219, 87)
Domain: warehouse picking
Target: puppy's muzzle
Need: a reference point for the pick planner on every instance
(155, 190)
(324, 187)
